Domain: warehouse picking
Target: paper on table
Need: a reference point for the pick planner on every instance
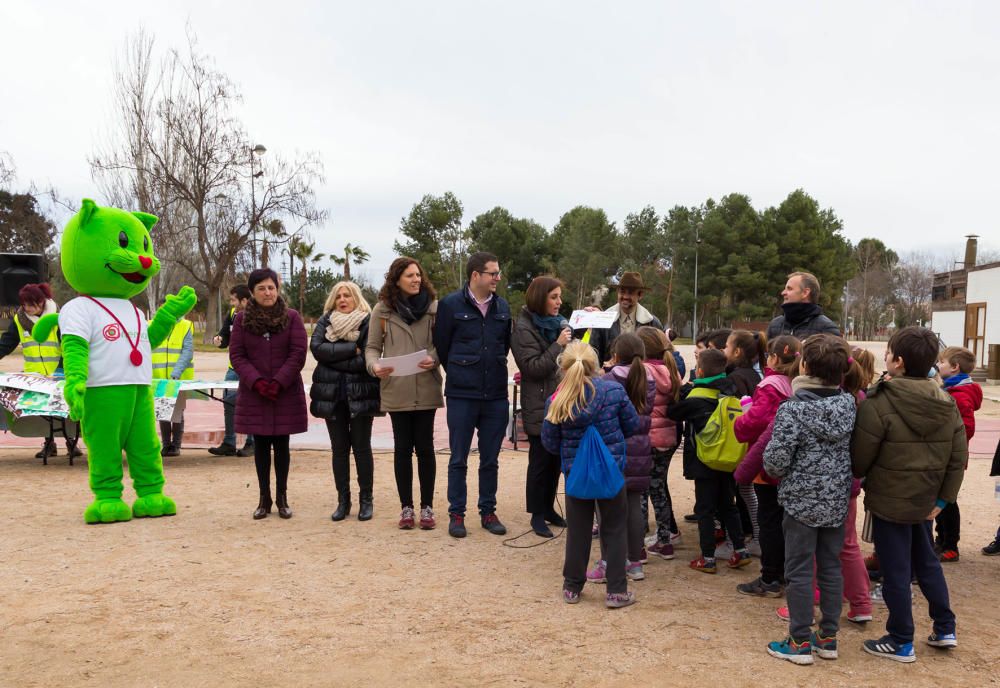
(404, 365)
(600, 320)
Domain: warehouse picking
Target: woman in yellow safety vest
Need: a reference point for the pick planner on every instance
(42, 358)
(174, 360)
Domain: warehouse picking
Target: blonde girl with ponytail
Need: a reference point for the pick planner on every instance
(581, 400)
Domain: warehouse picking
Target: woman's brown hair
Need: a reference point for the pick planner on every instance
(537, 294)
(389, 294)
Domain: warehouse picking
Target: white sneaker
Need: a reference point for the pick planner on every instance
(633, 570)
(876, 594)
(754, 548)
(650, 540)
(676, 538)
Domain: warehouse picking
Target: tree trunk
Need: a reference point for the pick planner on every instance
(347, 266)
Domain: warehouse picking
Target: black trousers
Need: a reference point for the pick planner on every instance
(715, 497)
(262, 459)
(772, 539)
(579, 521)
(949, 525)
(414, 431)
(348, 433)
(542, 481)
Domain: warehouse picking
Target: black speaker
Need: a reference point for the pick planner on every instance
(17, 270)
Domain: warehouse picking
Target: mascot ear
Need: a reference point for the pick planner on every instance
(87, 208)
(147, 220)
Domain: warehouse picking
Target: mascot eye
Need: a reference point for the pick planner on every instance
(145, 243)
(123, 239)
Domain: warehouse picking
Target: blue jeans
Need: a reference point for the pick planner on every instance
(229, 408)
(906, 551)
(489, 420)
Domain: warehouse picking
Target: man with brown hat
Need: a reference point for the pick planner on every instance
(631, 315)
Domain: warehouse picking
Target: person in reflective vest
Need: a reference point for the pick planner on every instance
(43, 358)
(239, 296)
(174, 360)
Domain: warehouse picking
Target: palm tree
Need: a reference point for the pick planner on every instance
(355, 253)
(275, 228)
(304, 251)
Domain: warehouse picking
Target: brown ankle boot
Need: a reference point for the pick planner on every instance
(282, 501)
(264, 507)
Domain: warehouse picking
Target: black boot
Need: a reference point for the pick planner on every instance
(264, 507)
(165, 437)
(367, 509)
(176, 436)
(281, 499)
(48, 449)
(343, 507)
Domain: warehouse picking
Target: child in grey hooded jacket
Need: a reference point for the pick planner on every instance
(810, 452)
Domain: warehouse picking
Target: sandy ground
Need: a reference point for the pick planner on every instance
(210, 597)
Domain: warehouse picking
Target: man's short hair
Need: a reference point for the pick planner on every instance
(918, 347)
(809, 282)
(712, 362)
(241, 292)
(477, 263)
(959, 357)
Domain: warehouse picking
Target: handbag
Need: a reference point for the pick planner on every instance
(595, 473)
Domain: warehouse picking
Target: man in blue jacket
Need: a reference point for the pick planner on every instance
(472, 337)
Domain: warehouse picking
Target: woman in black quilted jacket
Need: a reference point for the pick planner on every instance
(344, 394)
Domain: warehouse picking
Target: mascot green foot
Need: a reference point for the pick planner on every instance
(153, 505)
(107, 511)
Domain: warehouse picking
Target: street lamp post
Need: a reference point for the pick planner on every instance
(255, 151)
(697, 242)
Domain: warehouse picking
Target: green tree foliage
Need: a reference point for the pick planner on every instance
(585, 247)
(23, 227)
(435, 237)
(522, 245)
(319, 283)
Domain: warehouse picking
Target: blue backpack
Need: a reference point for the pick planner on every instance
(595, 474)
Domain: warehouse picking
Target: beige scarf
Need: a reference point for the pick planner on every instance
(809, 382)
(345, 327)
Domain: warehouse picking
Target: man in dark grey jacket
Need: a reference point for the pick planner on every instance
(801, 315)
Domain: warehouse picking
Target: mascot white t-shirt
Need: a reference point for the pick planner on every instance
(113, 340)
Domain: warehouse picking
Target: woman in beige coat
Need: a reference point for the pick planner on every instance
(402, 323)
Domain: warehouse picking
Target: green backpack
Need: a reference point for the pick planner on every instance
(716, 443)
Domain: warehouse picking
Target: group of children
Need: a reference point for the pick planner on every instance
(817, 429)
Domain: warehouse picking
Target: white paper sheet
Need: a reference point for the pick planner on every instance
(601, 320)
(404, 365)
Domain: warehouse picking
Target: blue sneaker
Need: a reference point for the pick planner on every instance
(945, 640)
(890, 649)
(825, 647)
(796, 653)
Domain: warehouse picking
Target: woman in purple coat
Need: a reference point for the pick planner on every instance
(267, 348)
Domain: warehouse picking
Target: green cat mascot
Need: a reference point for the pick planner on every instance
(107, 256)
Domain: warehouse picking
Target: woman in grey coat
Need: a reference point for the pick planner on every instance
(540, 335)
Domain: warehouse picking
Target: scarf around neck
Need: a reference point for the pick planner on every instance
(810, 382)
(413, 308)
(796, 313)
(345, 327)
(260, 321)
(28, 321)
(549, 326)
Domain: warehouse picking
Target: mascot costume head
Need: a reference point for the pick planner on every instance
(107, 256)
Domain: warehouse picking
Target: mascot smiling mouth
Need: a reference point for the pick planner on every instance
(133, 277)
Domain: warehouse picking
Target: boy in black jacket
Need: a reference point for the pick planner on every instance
(713, 490)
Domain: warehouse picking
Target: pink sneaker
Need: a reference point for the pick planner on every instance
(782, 613)
(598, 574)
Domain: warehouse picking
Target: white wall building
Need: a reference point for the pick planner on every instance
(966, 308)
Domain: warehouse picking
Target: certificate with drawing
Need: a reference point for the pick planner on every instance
(601, 320)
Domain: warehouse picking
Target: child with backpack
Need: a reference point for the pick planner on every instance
(954, 364)
(714, 489)
(909, 446)
(579, 403)
(810, 451)
(663, 435)
(627, 369)
(755, 427)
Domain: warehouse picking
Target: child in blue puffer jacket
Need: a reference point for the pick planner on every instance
(581, 401)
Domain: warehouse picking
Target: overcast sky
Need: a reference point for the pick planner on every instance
(888, 112)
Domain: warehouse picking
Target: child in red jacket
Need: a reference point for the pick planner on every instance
(955, 363)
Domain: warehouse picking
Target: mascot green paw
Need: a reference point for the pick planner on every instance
(74, 393)
(178, 305)
(107, 511)
(154, 505)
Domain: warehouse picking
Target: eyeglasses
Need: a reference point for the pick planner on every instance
(493, 275)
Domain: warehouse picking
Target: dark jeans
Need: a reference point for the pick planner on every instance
(542, 481)
(347, 433)
(904, 552)
(262, 460)
(489, 420)
(659, 495)
(414, 431)
(229, 409)
(715, 497)
(770, 515)
(809, 549)
(579, 521)
(949, 526)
